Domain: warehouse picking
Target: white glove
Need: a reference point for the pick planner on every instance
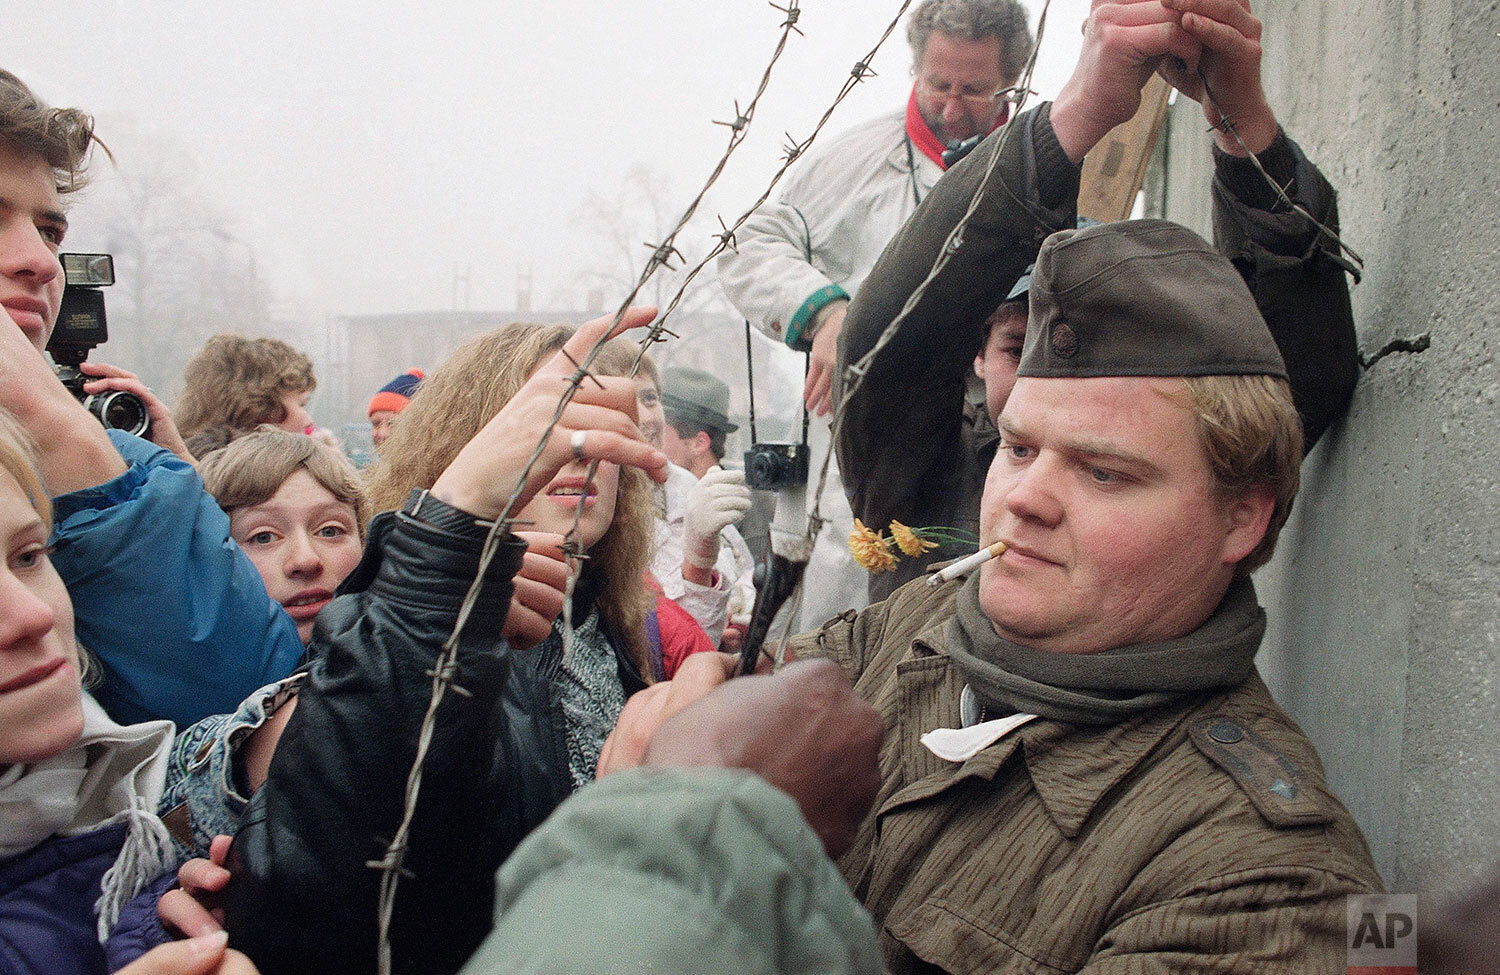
(718, 500)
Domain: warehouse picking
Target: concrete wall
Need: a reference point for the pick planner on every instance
(1385, 596)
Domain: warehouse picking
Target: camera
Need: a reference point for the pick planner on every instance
(80, 327)
(773, 466)
(957, 150)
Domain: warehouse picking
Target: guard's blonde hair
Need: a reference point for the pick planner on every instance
(251, 469)
(1251, 433)
(455, 402)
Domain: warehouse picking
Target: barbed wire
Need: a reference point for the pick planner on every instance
(793, 152)
(855, 372)
(445, 669)
(444, 672)
(1354, 264)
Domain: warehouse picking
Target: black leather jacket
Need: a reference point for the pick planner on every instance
(303, 897)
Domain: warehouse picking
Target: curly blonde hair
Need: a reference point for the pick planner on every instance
(236, 384)
(460, 397)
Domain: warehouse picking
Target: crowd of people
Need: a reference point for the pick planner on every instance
(219, 646)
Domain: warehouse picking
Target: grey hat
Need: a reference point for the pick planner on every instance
(697, 397)
(1142, 298)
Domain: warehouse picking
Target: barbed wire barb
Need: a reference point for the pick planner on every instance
(1354, 264)
(582, 374)
(727, 236)
(741, 119)
(662, 254)
(391, 866)
(793, 13)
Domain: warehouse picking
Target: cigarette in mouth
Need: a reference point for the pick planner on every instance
(966, 564)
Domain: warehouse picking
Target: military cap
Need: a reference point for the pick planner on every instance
(695, 396)
(1142, 298)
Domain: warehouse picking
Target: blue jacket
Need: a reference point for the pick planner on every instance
(47, 896)
(177, 614)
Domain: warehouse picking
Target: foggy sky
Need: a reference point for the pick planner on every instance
(367, 150)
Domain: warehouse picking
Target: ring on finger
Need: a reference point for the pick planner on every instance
(577, 442)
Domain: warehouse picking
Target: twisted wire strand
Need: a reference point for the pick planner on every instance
(445, 669)
(854, 374)
(1353, 263)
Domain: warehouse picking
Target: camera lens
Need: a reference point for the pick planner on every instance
(764, 468)
(121, 411)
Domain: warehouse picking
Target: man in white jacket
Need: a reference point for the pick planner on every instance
(797, 261)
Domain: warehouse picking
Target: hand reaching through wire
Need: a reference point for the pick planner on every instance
(597, 424)
(1230, 66)
(1124, 43)
(803, 730)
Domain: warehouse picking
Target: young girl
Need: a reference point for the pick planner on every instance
(611, 653)
(297, 508)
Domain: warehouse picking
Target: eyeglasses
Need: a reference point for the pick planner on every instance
(945, 90)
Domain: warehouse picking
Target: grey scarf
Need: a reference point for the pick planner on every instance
(1108, 687)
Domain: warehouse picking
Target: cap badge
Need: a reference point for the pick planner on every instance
(1063, 340)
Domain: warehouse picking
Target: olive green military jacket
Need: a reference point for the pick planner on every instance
(1194, 838)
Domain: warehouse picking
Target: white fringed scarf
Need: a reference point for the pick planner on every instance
(112, 774)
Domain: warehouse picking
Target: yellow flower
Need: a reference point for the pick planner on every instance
(908, 541)
(871, 549)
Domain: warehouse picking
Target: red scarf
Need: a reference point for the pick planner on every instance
(923, 138)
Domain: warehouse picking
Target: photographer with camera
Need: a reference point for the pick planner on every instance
(118, 399)
(191, 634)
